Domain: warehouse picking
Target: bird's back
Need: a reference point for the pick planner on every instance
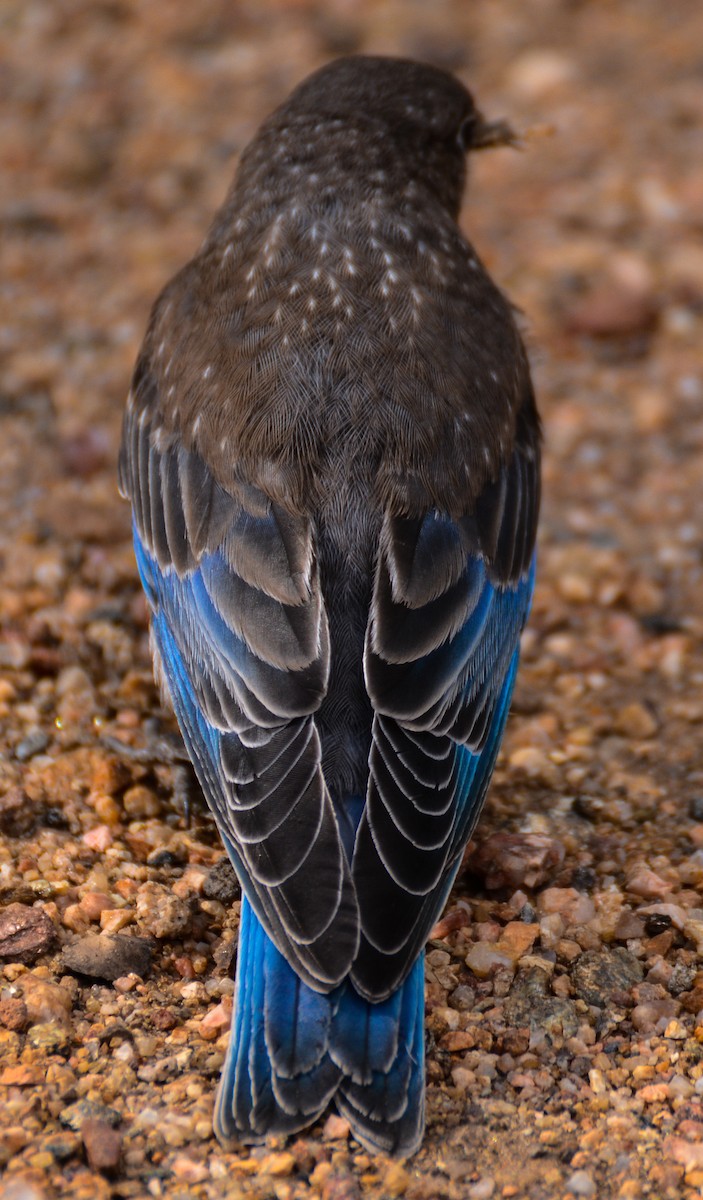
(332, 452)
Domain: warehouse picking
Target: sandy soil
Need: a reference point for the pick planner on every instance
(565, 987)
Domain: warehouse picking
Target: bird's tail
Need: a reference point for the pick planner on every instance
(292, 1050)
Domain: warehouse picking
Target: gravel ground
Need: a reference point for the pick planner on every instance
(564, 984)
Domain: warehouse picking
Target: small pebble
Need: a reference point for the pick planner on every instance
(25, 933)
(646, 883)
(161, 913)
(676, 1031)
(103, 1144)
(485, 958)
(463, 998)
(612, 311)
(49, 1038)
(463, 1078)
(188, 1170)
(668, 914)
(278, 1165)
(23, 1189)
(534, 764)
(222, 883)
(140, 802)
(581, 1184)
(538, 72)
(484, 1189)
(23, 1075)
(654, 1093)
(636, 721)
(98, 838)
(75, 1115)
(572, 905)
(395, 1180)
(13, 1013)
(35, 743)
(516, 860)
(602, 977)
(680, 1086)
(517, 938)
(94, 903)
(217, 1020)
(689, 1154)
(17, 813)
(46, 1002)
(335, 1127)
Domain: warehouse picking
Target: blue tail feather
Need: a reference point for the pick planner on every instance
(365, 1036)
(297, 1020)
(292, 1050)
(246, 1104)
(388, 1113)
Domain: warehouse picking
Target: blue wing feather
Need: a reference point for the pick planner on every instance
(439, 722)
(266, 790)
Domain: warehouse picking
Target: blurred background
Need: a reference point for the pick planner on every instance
(120, 126)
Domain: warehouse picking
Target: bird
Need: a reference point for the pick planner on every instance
(331, 447)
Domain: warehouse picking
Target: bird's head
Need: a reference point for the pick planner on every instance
(417, 120)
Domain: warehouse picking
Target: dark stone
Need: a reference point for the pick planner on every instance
(222, 883)
(34, 743)
(583, 879)
(165, 1019)
(54, 818)
(656, 923)
(104, 956)
(25, 933)
(603, 977)
(530, 1004)
(589, 807)
(88, 1110)
(62, 1145)
(18, 814)
(165, 858)
(463, 998)
(682, 978)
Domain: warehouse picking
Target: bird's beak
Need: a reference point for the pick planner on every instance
(485, 134)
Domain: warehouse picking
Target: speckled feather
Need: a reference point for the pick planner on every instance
(314, 301)
(332, 451)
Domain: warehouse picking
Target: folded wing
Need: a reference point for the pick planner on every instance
(451, 598)
(241, 641)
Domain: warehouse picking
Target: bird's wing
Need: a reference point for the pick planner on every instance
(450, 600)
(241, 639)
